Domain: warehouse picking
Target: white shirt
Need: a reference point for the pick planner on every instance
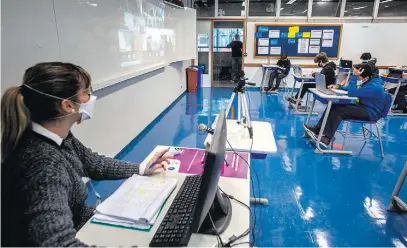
(46, 133)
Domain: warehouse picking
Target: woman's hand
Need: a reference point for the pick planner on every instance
(333, 86)
(158, 162)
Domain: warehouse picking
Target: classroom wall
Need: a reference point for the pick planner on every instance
(377, 38)
(123, 110)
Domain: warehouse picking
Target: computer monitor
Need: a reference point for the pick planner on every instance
(211, 200)
(395, 73)
(345, 63)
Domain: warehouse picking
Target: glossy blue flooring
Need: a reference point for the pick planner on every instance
(314, 200)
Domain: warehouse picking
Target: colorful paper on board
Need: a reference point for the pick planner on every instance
(298, 35)
(294, 29)
(291, 35)
(306, 34)
(259, 35)
(273, 42)
(263, 29)
(291, 41)
(284, 35)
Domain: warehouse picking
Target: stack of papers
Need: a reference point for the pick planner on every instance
(137, 202)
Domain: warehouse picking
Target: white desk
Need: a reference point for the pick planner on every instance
(399, 82)
(304, 79)
(239, 139)
(100, 235)
(326, 99)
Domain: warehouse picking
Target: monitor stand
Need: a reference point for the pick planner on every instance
(221, 213)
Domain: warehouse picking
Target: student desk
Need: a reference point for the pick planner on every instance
(304, 79)
(326, 99)
(101, 235)
(399, 82)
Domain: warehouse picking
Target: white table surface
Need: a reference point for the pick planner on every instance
(238, 137)
(100, 235)
(331, 97)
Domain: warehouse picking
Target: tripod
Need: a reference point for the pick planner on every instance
(243, 116)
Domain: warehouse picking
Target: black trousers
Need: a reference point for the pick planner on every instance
(305, 88)
(278, 77)
(341, 112)
(401, 96)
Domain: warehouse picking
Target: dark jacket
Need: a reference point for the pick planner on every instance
(237, 47)
(329, 71)
(42, 193)
(286, 64)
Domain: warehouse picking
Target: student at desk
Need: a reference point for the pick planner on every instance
(328, 69)
(370, 104)
(279, 74)
(400, 99)
(43, 196)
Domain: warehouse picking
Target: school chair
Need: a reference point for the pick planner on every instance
(367, 133)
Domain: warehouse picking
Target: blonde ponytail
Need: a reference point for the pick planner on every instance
(15, 119)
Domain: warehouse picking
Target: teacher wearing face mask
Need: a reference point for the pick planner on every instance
(43, 196)
(328, 69)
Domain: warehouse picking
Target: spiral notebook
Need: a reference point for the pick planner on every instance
(137, 202)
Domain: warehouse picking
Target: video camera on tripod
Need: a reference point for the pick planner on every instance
(243, 115)
(240, 80)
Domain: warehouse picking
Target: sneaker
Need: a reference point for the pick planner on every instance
(273, 91)
(313, 129)
(325, 141)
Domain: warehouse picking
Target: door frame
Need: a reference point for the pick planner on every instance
(239, 19)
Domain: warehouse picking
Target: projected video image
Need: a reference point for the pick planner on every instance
(142, 39)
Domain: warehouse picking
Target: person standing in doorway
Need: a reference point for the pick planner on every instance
(237, 47)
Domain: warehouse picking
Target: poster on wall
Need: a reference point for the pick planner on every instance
(327, 43)
(314, 42)
(263, 50)
(274, 34)
(328, 34)
(303, 45)
(275, 50)
(316, 33)
(264, 42)
(314, 49)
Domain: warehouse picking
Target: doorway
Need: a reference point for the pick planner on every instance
(223, 33)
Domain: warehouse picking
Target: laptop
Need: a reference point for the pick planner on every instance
(395, 73)
(321, 85)
(346, 64)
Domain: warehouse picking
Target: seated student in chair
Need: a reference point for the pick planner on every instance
(279, 74)
(328, 69)
(369, 106)
(367, 58)
(400, 100)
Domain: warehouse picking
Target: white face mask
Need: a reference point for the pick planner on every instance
(359, 82)
(85, 109)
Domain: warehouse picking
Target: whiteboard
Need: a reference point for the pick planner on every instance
(119, 39)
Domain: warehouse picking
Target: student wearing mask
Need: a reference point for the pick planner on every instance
(370, 105)
(43, 196)
(279, 74)
(328, 69)
(237, 47)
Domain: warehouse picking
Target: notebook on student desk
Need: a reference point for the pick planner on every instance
(136, 203)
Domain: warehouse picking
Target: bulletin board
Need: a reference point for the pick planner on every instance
(301, 41)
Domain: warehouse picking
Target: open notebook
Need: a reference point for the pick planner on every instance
(137, 201)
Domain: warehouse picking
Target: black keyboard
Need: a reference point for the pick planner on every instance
(175, 229)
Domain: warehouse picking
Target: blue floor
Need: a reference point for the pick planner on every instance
(315, 200)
